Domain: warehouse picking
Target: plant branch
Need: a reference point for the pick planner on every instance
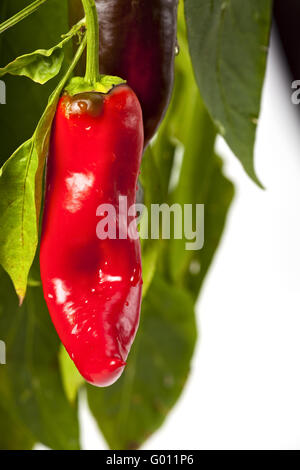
(21, 15)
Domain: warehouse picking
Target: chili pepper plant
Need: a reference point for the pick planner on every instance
(103, 97)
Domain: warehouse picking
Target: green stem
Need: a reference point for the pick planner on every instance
(21, 15)
(92, 61)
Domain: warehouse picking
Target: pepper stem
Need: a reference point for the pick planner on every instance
(92, 61)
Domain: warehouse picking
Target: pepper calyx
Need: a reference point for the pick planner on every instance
(104, 85)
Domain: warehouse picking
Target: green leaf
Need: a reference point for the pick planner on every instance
(200, 181)
(41, 65)
(218, 199)
(228, 42)
(72, 380)
(18, 221)
(132, 409)
(14, 435)
(32, 371)
(195, 176)
(150, 180)
(21, 193)
(25, 101)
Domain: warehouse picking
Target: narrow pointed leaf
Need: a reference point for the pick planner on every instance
(228, 42)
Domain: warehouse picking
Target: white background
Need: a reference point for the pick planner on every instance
(244, 388)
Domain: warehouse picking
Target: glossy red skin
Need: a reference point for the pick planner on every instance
(138, 40)
(92, 287)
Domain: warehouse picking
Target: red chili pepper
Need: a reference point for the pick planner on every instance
(93, 287)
